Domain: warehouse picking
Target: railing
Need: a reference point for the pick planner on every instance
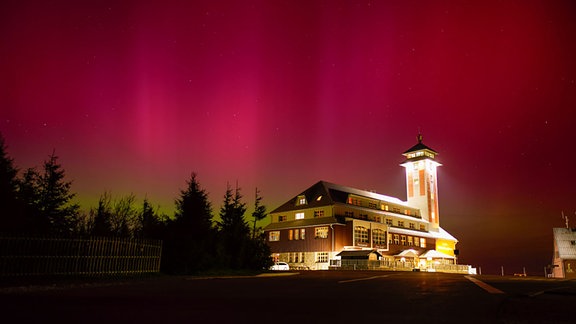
(396, 266)
(34, 256)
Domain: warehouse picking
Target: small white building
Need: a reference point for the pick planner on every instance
(564, 260)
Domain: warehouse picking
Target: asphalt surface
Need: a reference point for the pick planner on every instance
(297, 297)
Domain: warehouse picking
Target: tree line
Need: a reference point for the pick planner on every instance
(40, 202)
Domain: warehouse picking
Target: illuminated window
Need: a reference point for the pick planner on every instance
(403, 239)
(423, 242)
(400, 223)
(396, 239)
(410, 241)
(282, 218)
(360, 234)
(302, 257)
(296, 234)
(384, 207)
(301, 200)
(296, 255)
(390, 238)
(302, 233)
(417, 241)
(319, 198)
(318, 213)
(321, 232)
(378, 237)
(290, 235)
(299, 215)
(422, 227)
(412, 226)
(322, 257)
(274, 236)
(388, 221)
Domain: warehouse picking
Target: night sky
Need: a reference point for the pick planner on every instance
(134, 96)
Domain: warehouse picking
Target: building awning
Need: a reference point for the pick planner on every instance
(433, 254)
(410, 253)
(357, 254)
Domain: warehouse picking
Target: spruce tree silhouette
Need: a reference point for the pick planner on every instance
(49, 199)
(12, 218)
(189, 241)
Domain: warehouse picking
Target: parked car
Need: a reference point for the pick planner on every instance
(280, 266)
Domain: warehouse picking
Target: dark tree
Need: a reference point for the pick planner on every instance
(12, 218)
(124, 218)
(151, 224)
(189, 242)
(193, 210)
(48, 198)
(102, 216)
(259, 212)
(234, 231)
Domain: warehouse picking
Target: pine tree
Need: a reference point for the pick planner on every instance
(150, 223)
(189, 240)
(193, 210)
(12, 219)
(102, 215)
(233, 228)
(259, 212)
(49, 198)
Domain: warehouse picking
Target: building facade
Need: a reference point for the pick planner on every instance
(315, 227)
(564, 259)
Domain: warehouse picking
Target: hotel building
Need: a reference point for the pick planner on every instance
(330, 225)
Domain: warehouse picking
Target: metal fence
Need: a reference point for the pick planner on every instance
(396, 265)
(34, 256)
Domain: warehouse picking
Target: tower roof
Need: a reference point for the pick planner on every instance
(419, 147)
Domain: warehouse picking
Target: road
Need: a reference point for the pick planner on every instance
(304, 297)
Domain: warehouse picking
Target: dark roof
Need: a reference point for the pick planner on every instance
(330, 194)
(317, 190)
(419, 147)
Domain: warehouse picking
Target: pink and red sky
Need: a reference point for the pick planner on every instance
(136, 95)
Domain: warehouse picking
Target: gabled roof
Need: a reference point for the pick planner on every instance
(436, 255)
(419, 147)
(565, 239)
(325, 193)
(410, 253)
